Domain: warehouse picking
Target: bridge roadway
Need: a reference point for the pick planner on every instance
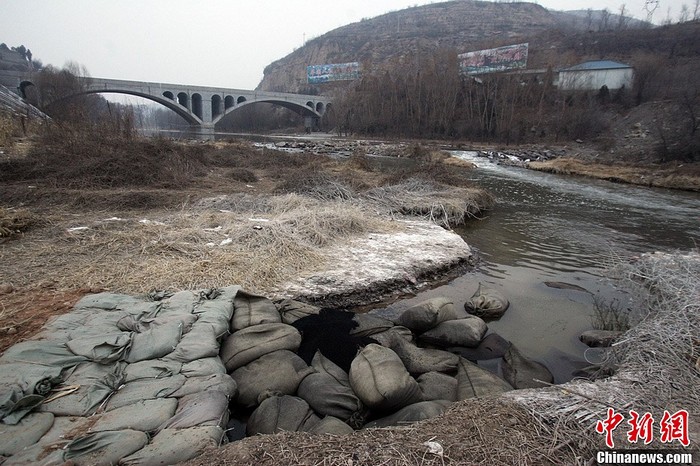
(202, 107)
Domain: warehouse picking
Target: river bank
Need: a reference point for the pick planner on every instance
(221, 214)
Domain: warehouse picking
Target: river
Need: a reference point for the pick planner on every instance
(551, 228)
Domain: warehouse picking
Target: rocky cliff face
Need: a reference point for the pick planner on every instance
(463, 25)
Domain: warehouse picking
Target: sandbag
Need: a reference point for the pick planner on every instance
(438, 386)
(145, 389)
(428, 314)
(104, 448)
(368, 325)
(203, 367)
(521, 372)
(386, 337)
(103, 349)
(380, 380)
(487, 303)
(331, 425)
(209, 408)
(145, 416)
(291, 310)
(45, 353)
(199, 343)
(281, 413)
(96, 383)
(250, 309)
(475, 382)
(14, 438)
(462, 332)
(24, 386)
(153, 369)
(280, 371)
(491, 346)
(174, 446)
(215, 382)
(421, 360)
(156, 342)
(412, 413)
(327, 397)
(252, 342)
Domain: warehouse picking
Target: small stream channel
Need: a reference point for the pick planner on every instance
(550, 228)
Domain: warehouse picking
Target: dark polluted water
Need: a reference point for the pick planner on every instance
(550, 228)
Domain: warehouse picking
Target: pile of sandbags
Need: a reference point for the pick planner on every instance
(121, 379)
(156, 380)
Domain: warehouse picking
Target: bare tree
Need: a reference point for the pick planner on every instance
(696, 10)
(684, 15)
(623, 19)
(604, 20)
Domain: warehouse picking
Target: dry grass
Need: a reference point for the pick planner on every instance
(675, 176)
(255, 247)
(14, 222)
(444, 205)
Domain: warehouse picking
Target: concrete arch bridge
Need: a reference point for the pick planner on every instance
(202, 107)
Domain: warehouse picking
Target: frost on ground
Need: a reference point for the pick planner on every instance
(369, 264)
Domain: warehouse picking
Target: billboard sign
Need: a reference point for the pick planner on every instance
(506, 58)
(335, 72)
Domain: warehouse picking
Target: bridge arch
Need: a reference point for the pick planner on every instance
(303, 110)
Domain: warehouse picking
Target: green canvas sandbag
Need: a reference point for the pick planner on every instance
(428, 314)
(145, 416)
(14, 438)
(214, 382)
(145, 389)
(96, 383)
(331, 425)
(421, 360)
(103, 349)
(412, 413)
(208, 408)
(291, 310)
(104, 448)
(152, 369)
(24, 386)
(203, 367)
(460, 332)
(174, 446)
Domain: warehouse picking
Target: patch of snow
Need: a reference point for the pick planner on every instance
(78, 229)
(225, 242)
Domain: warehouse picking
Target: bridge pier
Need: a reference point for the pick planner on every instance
(204, 131)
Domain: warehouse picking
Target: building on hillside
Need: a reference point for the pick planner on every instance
(593, 75)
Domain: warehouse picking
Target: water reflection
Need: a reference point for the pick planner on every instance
(552, 228)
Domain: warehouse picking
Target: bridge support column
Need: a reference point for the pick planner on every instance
(205, 132)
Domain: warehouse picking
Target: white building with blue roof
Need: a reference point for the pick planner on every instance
(592, 75)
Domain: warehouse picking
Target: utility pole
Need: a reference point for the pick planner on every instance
(650, 7)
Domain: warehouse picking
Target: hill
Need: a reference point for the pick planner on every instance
(462, 25)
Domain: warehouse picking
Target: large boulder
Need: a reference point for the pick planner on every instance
(462, 332)
(381, 381)
(487, 303)
(428, 314)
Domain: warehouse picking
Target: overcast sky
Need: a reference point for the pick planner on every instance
(221, 43)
